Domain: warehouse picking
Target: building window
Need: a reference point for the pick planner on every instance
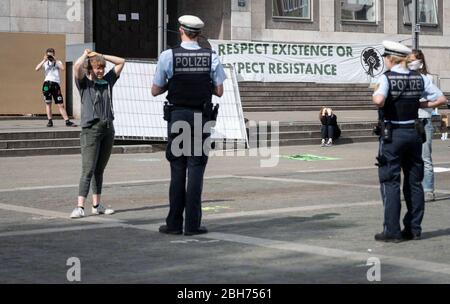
(430, 15)
(304, 15)
(427, 11)
(359, 10)
(299, 9)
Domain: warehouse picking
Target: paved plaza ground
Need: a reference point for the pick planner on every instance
(297, 222)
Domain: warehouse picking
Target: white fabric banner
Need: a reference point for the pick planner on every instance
(299, 62)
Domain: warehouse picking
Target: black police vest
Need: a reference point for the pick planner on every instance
(405, 91)
(191, 84)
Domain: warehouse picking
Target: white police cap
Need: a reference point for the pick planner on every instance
(191, 23)
(396, 49)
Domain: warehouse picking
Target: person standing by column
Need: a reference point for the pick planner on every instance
(97, 128)
(191, 75)
(418, 64)
(398, 98)
(51, 87)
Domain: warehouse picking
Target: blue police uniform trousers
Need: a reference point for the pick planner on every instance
(190, 166)
(403, 153)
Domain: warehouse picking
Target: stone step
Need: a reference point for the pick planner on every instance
(316, 126)
(301, 95)
(29, 117)
(293, 96)
(298, 101)
(320, 92)
(306, 103)
(39, 143)
(341, 100)
(30, 135)
(271, 93)
(309, 127)
(39, 151)
(306, 107)
(313, 134)
(243, 84)
(71, 150)
(280, 108)
(301, 84)
(296, 107)
(299, 142)
(316, 141)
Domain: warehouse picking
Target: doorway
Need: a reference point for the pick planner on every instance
(126, 28)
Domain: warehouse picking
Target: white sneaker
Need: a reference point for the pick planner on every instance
(329, 143)
(322, 143)
(102, 210)
(77, 213)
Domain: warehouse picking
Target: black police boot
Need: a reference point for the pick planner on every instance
(50, 123)
(200, 230)
(381, 237)
(409, 235)
(166, 230)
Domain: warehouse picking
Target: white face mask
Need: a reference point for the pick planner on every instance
(415, 65)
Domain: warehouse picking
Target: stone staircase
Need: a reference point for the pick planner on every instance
(30, 143)
(15, 144)
(300, 133)
(262, 97)
(271, 97)
(255, 97)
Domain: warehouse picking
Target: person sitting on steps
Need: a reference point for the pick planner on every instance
(329, 130)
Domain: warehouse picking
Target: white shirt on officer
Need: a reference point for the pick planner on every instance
(164, 69)
(431, 92)
(426, 112)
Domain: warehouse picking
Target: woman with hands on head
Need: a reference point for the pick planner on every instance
(97, 116)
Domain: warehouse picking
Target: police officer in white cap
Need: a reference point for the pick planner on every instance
(191, 75)
(398, 99)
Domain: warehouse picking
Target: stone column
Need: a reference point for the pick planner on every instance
(241, 20)
(327, 16)
(391, 17)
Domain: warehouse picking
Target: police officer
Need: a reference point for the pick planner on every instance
(398, 99)
(191, 75)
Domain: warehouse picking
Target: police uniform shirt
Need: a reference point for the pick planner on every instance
(426, 112)
(164, 69)
(431, 92)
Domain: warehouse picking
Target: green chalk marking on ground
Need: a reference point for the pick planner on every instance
(308, 157)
